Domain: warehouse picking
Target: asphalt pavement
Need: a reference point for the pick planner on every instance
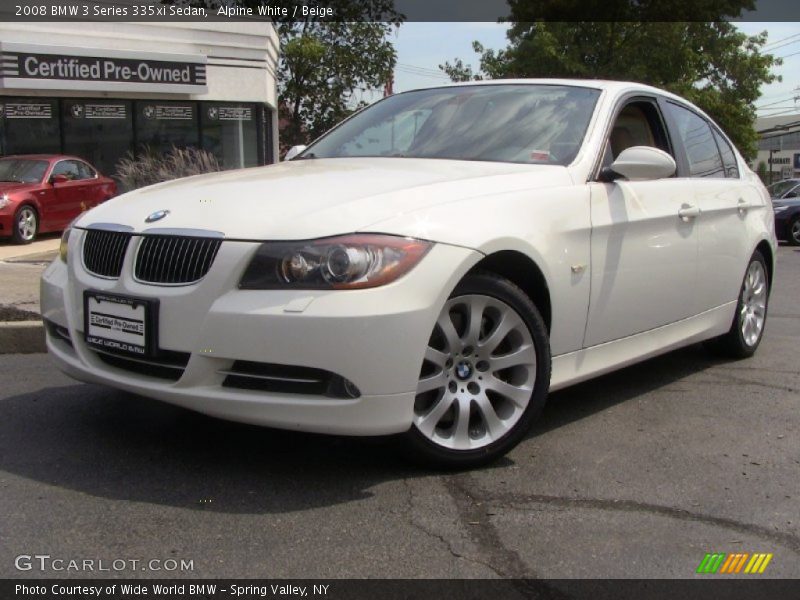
(637, 474)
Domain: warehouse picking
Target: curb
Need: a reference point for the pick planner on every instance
(22, 337)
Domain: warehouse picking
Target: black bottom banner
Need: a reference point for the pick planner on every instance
(401, 589)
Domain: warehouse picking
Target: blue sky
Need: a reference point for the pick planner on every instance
(422, 47)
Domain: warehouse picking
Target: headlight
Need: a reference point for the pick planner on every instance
(342, 263)
(779, 209)
(62, 249)
(4, 201)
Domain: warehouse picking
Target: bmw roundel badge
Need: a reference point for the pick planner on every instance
(156, 216)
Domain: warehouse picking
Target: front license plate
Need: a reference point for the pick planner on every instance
(120, 324)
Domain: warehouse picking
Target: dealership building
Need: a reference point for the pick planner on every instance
(778, 147)
(99, 90)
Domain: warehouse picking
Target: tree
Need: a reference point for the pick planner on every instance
(709, 62)
(324, 65)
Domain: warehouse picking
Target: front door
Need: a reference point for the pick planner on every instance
(644, 238)
(644, 258)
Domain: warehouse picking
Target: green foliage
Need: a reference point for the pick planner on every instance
(709, 63)
(323, 66)
(761, 169)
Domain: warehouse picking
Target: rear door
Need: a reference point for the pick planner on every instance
(726, 201)
(644, 254)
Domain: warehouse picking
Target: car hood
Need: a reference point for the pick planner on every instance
(315, 198)
(10, 187)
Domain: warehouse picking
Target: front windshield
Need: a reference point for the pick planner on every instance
(777, 190)
(516, 123)
(20, 170)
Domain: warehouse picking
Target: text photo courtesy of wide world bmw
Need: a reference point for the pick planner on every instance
(463, 267)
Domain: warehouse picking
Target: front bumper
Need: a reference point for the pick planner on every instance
(375, 338)
(782, 221)
(6, 224)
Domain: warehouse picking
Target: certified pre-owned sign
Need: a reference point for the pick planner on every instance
(52, 67)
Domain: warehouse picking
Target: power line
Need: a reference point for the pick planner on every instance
(783, 45)
(784, 99)
(784, 112)
(788, 37)
(788, 55)
(415, 68)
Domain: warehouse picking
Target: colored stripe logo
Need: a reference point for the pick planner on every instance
(741, 562)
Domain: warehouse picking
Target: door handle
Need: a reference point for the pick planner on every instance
(689, 212)
(742, 206)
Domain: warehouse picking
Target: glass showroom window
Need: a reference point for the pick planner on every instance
(161, 125)
(29, 126)
(100, 131)
(230, 132)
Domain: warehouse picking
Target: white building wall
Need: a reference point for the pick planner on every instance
(242, 55)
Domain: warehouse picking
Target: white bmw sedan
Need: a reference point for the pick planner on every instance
(431, 267)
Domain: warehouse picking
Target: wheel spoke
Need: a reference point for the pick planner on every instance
(436, 357)
(426, 384)
(494, 426)
(427, 423)
(461, 433)
(449, 331)
(518, 395)
(475, 319)
(499, 333)
(524, 355)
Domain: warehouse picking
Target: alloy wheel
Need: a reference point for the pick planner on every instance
(26, 223)
(753, 311)
(795, 231)
(478, 374)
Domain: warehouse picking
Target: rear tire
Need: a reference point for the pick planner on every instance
(747, 329)
(793, 238)
(485, 376)
(25, 225)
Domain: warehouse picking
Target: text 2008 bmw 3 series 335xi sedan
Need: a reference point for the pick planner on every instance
(431, 267)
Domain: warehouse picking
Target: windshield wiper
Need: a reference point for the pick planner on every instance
(308, 156)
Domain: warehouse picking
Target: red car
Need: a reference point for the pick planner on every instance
(45, 192)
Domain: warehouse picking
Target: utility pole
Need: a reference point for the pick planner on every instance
(771, 151)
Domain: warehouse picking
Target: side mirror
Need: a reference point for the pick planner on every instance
(792, 194)
(59, 179)
(642, 163)
(294, 151)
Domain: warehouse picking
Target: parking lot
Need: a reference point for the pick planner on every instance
(637, 474)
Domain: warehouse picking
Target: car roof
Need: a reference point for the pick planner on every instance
(50, 157)
(597, 84)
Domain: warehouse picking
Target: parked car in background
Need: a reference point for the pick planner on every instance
(432, 267)
(40, 193)
(787, 220)
(788, 188)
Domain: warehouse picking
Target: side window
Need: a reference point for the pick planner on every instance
(728, 156)
(86, 172)
(69, 168)
(637, 124)
(698, 141)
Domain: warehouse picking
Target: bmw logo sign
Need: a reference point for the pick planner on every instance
(156, 216)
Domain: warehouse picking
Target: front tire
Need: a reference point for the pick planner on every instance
(747, 329)
(485, 375)
(25, 225)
